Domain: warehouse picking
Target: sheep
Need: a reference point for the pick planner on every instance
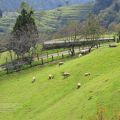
(51, 77)
(78, 85)
(85, 51)
(112, 45)
(65, 74)
(60, 63)
(33, 79)
(87, 74)
(80, 55)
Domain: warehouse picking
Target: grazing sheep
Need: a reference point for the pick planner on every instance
(87, 74)
(112, 45)
(65, 74)
(80, 55)
(85, 51)
(78, 85)
(51, 77)
(61, 63)
(33, 79)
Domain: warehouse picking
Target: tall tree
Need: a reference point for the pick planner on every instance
(24, 34)
(69, 33)
(91, 29)
(24, 5)
(115, 27)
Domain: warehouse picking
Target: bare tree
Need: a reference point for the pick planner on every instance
(91, 29)
(115, 27)
(69, 33)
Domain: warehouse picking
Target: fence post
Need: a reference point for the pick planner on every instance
(52, 58)
(38, 56)
(7, 65)
(47, 55)
(58, 53)
(79, 48)
(42, 62)
(11, 57)
(62, 56)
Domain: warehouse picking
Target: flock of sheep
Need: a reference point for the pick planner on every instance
(67, 74)
(64, 74)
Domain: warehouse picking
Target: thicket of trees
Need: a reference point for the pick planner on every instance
(90, 30)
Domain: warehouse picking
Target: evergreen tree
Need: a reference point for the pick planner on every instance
(25, 34)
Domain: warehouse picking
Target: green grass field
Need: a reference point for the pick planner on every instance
(58, 99)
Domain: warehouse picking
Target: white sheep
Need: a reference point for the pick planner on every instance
(50, 77)
(87, 74)
(78, 85)
(85, 51)
(66, 74)
(33, 79)
(112, 45)
(80, 55)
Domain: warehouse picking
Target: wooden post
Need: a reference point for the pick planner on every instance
(47, 55)
(11, 58)
(68, 52)
(38, 56)
(58, 53)
(52, 58)
(42, 62)
(31, 60)
(7, 66)
(62, 56)
(79, 48)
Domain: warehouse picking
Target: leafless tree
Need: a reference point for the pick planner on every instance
(115, 27)
(91, 29)
(69, 33)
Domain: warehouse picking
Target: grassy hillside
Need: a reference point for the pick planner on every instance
(59, 99)
(49, 20)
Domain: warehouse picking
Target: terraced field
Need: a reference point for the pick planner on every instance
(49, 21)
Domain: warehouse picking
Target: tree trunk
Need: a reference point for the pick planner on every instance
(73, 50)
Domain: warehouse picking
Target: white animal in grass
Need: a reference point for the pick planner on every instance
(50, 77)
(33, 79)
(78, 85)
